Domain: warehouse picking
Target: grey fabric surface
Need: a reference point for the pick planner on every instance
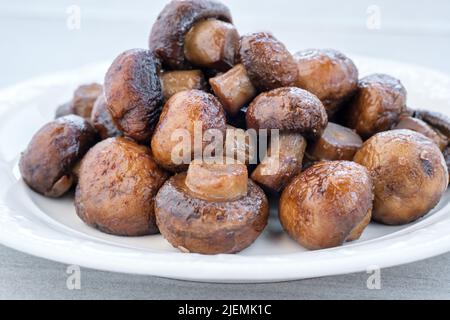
(36, 40)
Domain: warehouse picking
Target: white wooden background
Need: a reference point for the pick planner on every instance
(35, 39)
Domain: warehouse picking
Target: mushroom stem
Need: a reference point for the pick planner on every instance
(212, 44)
(234, 89)
(176, 81)
(210, 181)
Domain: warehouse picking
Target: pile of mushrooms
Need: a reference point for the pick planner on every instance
(342, 151)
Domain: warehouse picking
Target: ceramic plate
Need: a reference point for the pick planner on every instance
(51, 229)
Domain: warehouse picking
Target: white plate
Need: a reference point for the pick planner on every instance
(51, 229)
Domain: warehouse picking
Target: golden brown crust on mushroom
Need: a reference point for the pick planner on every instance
(199, 226)
(168, 34)
(102, 120)
(46, 165)
(288, 109)
(436, 120)
(118, 181)
(268, 63)
(377, 106)
(409, 174)
(328, 74)
(133, 93)
(327, 205)
(181, 112)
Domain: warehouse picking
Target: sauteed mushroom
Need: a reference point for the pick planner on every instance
(82, 102)
(177, 81)
(102, 120)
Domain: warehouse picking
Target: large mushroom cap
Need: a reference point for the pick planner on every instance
(177, 18)
(269, 64)
(46, 165)
(288, 109)
(133, 93)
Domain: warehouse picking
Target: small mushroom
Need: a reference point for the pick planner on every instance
(327, 205)
(102, 120)
(133, 93)
(212, 209)
(336, 143)
(377, 105)
(422, 127)
(48, 162)
(266, 65)
(118, 181)
(180, 115)
(298, 114)
(409, 174)
(168, 36)
(328, 74)
(177, 81)
(436, 120)
(82, 102)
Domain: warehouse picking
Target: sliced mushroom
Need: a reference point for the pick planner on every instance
(82, 102)
(327, 205)
(266, 65)
(102, 120)
(409, 174)
(118, 181)
(178, 121)
(168, 36)
(336, 143)
(47, 163)
(377, 106)
(133, 93)
(328, 74)
(197, 222)
(177, 81)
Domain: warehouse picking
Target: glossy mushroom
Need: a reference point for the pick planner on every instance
(48, 162)
(196, 215)
(102, 121)
(82, 102)
(409, 174)
(176, 81)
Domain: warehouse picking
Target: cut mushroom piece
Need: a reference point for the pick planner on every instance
(82, 102)
(377, 106)
(266, 65)
(212, 44)
(133, 93)
(212, 181)
(168, 36)
(176, 81)
(47, 163)
(336, 143)
(277, 170)
(288, 109)
(328, 74)
(194, 225)
(102, 120)
(422, 127)
(118, 181)
(185, 112)
(327, 205)
(409, 174)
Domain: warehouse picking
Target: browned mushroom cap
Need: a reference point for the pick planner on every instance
(118, 181)
(436, 120)
(199, 226)
(267, 61)
(176, 129)
(212, 44)
(336, 143)
(167, 37)
(328, 74)
(102, 120)
(46, 165)
(288, 109)
(422, 127)
(241, 145)
(328, 204)
(277, 170)
(409, 174)
(377, 106)
(82, 102)
(133, 93)
(177, 81)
